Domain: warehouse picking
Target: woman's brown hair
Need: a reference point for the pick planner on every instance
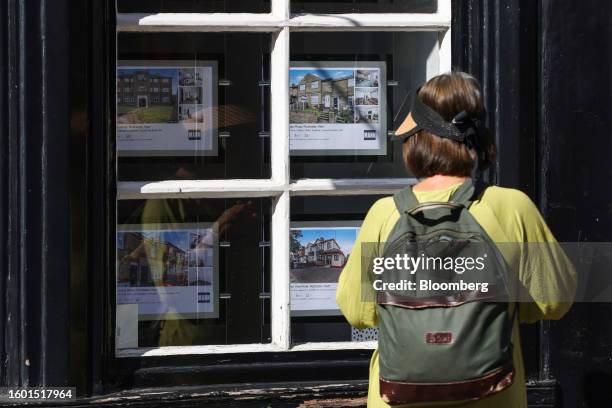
(426, 154)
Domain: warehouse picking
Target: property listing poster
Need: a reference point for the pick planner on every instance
(318, 252)
(167, 272)
(166, 108)
(337, 108)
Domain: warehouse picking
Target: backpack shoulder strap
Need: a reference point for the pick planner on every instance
(405, 199)
(468, 192)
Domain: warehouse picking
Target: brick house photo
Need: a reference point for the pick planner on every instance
(146, 95)
(152, 259)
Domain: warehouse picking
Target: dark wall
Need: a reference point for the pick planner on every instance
(34, 192)
(497, 42)
(51, 139)
(545, 70)
(575, 172)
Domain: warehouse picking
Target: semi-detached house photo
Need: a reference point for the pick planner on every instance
(319, 254)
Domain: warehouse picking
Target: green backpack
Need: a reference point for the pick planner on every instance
(451, 342)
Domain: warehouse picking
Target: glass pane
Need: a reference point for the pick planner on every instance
(193, 6)
(193, 106)
(347, 91)
(323, 231)
(364, 6)
(192, 272)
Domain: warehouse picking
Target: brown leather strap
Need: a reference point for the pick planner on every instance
(386, 298)
(396, 393)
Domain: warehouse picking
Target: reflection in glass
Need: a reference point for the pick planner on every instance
(185, 266)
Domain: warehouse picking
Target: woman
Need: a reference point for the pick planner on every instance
(442, 164)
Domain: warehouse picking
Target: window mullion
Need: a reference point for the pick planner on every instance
(444, 54)
(444, 38)
(279, 299)
(279, 157)
(281, 9)
(279, 106)
(444, 9)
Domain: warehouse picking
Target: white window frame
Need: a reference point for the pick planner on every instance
(279, 187)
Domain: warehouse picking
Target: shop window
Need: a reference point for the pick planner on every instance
(249, 201)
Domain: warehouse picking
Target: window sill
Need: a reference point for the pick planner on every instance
(241, 348)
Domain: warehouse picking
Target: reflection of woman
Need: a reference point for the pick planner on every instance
(442, 166)
(173, 213)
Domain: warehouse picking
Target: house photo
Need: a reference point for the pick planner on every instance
(190, 113)
(319, 254)
(366, 114)
(190, 77)
(190, 94)
(200, 276)
(152, 258)
(366, 96)
(146, 95)
(321, 95)
(367, 77)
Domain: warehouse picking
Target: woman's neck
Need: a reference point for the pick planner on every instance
(438, 182)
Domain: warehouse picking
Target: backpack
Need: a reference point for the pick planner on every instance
(450, 344)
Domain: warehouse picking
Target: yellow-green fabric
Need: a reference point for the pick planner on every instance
(507, 215)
